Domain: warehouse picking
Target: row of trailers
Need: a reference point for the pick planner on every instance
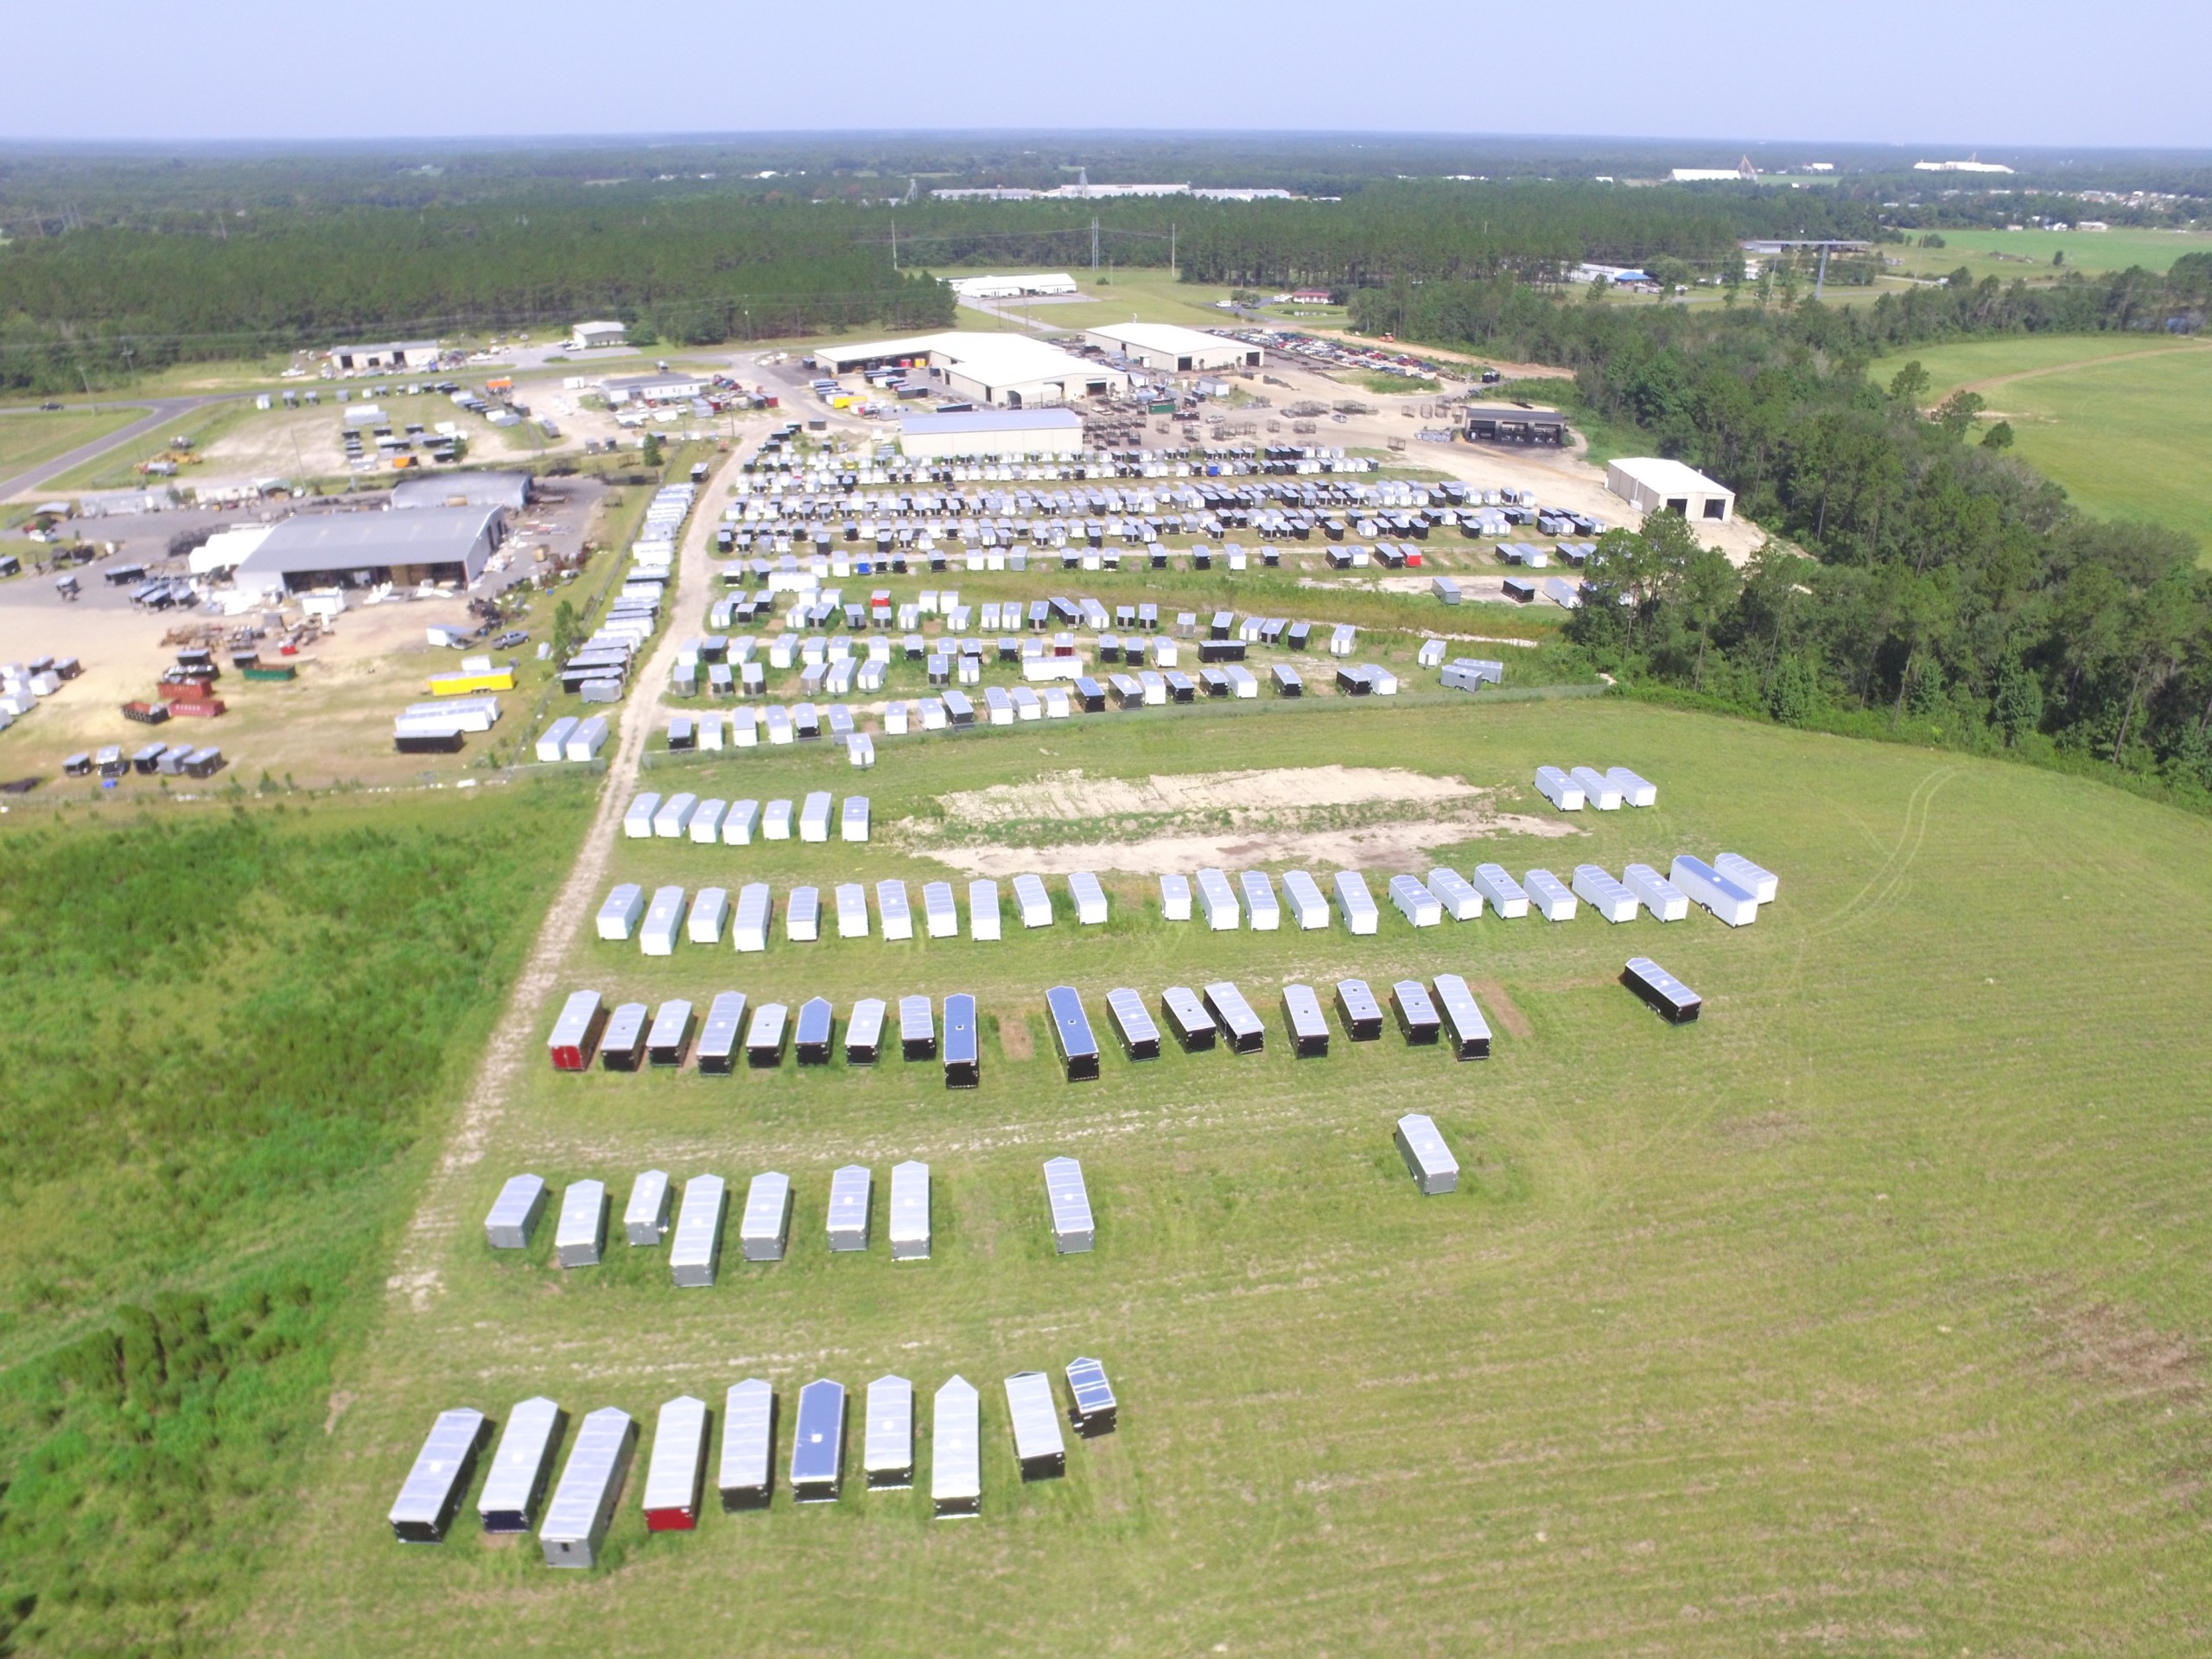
(694, 1233)
(572, 1524)
(659, 921)
(631, 1036)
(151, 759)
(685, 817)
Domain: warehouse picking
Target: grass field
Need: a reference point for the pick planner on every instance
(2029, 253)
(228, 1030)
(28, 439)
(118, 468)
(2122, 420)
(1865, 1315)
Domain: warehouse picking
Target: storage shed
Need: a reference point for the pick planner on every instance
(673, 821)
(1554, 901)
(514, 1213)
(750, 930)
(1666, 901)
(888, 1441)
(1307, 907)
(710, 911)
(818, 1443)
(983, 910)
(1417, 1019)
(740, 823)
(1505, 894)
(1260, 900)
(1189, 1016)
(892, 905)
(1307, 1025)
(679, 1466)
(1561, 791)
(957, 1451)
(697, 1250)
(1073, 1230)
(851, 1193)
(644, 1218)
(1140, 1038)
(1634, 790)
(940, 915)
(705, 829)
(430, 1496)
(852, 911)
(1093, 1410)
(1071, 1033)
(1175, 898)
(623, 1048)
(909, 1221)
(670, 1037)
(583, 1504)
(1033, 902)
(803, 916)
(776, 820)
(1361, 1012)
(1355, 903)
(522, 1466)
(624, 909)
(1218, 900)
(1466, 1029)
(1037, 1443)
(1712, 891)
(1673, 1000)
(1595, 887)
(663, 917)
(1458, 898)
(579, 1236)
(577, 1032)
(864, 1031)
(814, 816)
(853, 819)
(963, 1067)
(720, 1036)
(1598, 792)
(764, 1231)
(1415, 902)
(747, 1477)
(815, 1032)
(1239, 1027)
(552, 743)
(1089, 899)
(1427, 1159)
(589, 738)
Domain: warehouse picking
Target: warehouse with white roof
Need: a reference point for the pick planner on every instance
(1001, 434)
(360, 549)
(1013, 371)
(1171, 350)
(1651, 483)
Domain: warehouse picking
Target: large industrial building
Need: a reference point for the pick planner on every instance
(364, 549)
(593, 336)
(510, 491)
(1651, 483)
(1013, 371)
(999, 434)
(390, 354)
(662, 386)
(1011, 288)
(1167, 349)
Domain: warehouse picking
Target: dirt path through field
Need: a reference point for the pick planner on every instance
(2080, 362)
(511, 1044)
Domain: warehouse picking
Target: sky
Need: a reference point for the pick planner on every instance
(1958, 73)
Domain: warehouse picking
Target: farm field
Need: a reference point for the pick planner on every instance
(1865, 1312)
(31, 436)
(2121, 422)
(2029, 252)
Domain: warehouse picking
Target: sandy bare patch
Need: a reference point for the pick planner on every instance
(1491, 995)
(1071, 796)
(1015, 1041)
(1385, 847)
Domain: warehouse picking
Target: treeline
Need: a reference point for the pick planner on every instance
(1945, 590)
(101, 301)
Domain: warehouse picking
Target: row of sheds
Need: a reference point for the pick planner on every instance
(631, 1035)
(1441, 1012)
(694, 1232)
(1571, 789)
(670, 913)
(685, 817)
(573, 1518)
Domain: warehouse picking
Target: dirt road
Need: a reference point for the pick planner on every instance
(513, 1044)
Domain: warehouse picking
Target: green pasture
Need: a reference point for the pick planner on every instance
(2029, 253)
(28, 437)
(2122, 420)
(1863, 1313)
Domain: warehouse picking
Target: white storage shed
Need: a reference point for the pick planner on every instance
(909, 1222)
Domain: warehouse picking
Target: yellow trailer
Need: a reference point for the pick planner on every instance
(466, 684)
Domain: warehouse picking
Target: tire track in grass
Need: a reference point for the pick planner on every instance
(513, 1039)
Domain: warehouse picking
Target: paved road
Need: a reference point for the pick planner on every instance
(162, 411)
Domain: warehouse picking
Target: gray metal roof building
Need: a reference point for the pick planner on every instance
(357, 549)
(507, 490)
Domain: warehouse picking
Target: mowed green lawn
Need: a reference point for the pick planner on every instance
(2122, 422)
(30, 436)
(1864, 1314)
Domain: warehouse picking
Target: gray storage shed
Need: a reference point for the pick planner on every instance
(697, 1248)
(583, 1504)
(1427, 1159)
(644, 1219)
(521, 1466)
(430, 1496)
(1074, 1231)
(1037, 1442)
(514, 1213)
(579, 1239)
(818, 1443)
(747, 1475)
(851, 1191)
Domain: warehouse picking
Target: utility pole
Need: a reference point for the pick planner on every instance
(1170, 249)
(1821, 278)
(894, 241)
(1094, 248)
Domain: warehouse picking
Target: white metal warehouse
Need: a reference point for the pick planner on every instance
(1169, 349)
(1011, 370)
(1000, 434)
(1650, 483)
